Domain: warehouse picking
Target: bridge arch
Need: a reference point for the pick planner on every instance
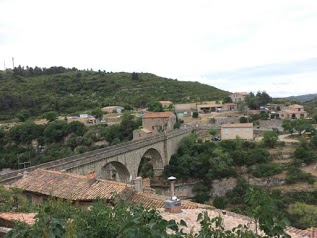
(115, 171)
(153, 157)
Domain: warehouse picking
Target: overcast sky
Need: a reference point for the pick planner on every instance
(245, 45)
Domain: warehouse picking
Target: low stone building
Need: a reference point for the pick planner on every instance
(41, 184)
(229, 107)
(241, 130)
(155, 123)
(112, 109)
(185, 110)
(207, 108)
(294, 111)
(238, 96)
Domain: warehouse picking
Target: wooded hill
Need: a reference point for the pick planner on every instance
(69, 91)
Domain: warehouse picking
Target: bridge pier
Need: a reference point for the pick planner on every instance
(157, 172)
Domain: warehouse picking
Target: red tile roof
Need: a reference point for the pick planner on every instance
(157, 201)
(68, 186)
(22, 217)
(158, 115)
(237, 125)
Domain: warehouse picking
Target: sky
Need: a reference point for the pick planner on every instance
(238, 46)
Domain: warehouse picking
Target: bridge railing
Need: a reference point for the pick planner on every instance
(88, 156)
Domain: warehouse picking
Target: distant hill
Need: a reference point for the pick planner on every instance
(302, 98)
(69, 91)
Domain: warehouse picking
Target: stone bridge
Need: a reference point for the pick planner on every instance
(118, 162)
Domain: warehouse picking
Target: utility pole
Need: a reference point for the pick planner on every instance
(13, 62)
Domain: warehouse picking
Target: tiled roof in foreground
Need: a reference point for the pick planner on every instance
(157, 201)
(27, 218)
(68, 186)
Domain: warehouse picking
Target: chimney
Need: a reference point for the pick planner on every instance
(138, 185)
(172, 189)
(91, 175)
(172, 205)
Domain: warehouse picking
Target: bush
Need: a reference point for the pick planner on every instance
(243, 120)
(219, 202)
(195, 114)
(294, 175)
(201, 192)
(266, 170)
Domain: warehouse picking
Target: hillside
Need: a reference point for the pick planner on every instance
(302, 98)
(73, 91)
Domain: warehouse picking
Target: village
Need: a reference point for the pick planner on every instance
(212, 121)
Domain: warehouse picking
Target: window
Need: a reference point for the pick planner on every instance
(247, 129)
(236, 129)
(226, 131)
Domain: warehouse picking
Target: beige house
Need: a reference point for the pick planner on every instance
(294, 111)
(238, 96)
(154, 123)
(229, 107)
(241, 130)
(207, 108)
(112, 109)
(166, 104)
(184, 110)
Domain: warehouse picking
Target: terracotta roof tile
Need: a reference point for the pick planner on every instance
(22, 217)
(158, 114)
(68, 186)
(157, 201)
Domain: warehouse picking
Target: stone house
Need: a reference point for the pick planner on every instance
(41, 184)
(238, 96)
(294, 111)
(155, 123)
(207, 108)
(184, 110)
(229, 107)
(166, 104)
(242, 130)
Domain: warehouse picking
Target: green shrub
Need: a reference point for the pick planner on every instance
(266, 170)
(219, 202)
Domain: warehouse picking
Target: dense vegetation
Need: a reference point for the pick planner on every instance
(205, 161)
(58, 139)
(68, 91)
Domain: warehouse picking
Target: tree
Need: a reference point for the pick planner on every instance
(55, 131)
(155, 107)
(213, 132)
(270, 138)
(77, 128)
(287, 126)
(135, 76)
(50, 116)
(250, 100)
(23, 115)
(303, 214)
(263, 208)
(227, 100)
(195, 114)
(301, 125)
(97, 113)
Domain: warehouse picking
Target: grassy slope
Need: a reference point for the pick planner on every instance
(71, 92)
